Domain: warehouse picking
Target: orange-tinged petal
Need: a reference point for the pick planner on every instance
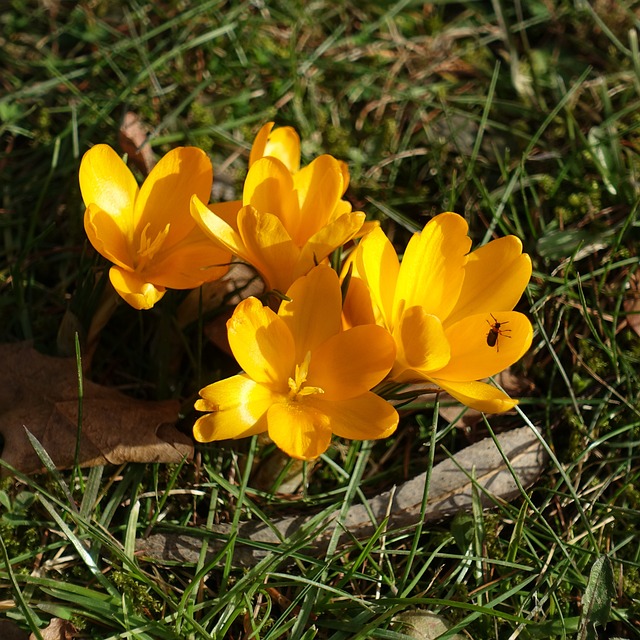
(282, 143)
(268, 247)
(238, 405)
(365, 417)
(422, 343)
(262, 344)
(474, 352)
(134, 288)
(190, 263)
(216, 228)
(165, 195)
(478, 395)
(268, 188)
(330, 237)
(314, 309)
(357, 308)
(349, 364)
(495, 277)
(300, 430)
(228, 211)
(376, 262)
(107, 236)
(344, 169)
(106, 182)
(432, 268)
(318, 187)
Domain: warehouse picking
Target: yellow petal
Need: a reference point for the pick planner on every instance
(196, 259)
(107, 237)
(216, 228)
(432, 268)
(268, 247)
(477, 351)
(422, 343)
(133, 287)
(268, 188)
(301, 431)
(376, 262)
(314, 310)
(166, 193)
(495, 277)
(107, 182)
(344, 169)
(330, 237)
(228, 211)
(349, 364)
(365, 417)
(358, 307)
(283, 144)
(262, 344)
(319, 188)
(478, 395)
(238, 405)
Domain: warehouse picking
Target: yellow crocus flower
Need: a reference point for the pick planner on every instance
(289, 219)
(449, 311)
(148, 233)
(304, 379)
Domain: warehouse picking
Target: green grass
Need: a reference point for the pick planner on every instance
(521, 116)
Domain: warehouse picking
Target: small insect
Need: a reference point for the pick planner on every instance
(495, 331)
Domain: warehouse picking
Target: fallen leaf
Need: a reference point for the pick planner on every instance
(132, 138)
(450, 491)
(9, 630)
(631, 303)
(422, 625)
(57, 629)
(40, 393)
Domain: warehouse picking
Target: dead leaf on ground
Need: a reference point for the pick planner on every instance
(57, 629)
(41, 393)
(631, 303)
(133, 140)
(451, 490)
(422, 625)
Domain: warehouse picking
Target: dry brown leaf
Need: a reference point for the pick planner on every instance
(422, 625)
(57, 629)
(9, 630)
(132, 138)
(631, 303)
(450, 491)
(41, 393)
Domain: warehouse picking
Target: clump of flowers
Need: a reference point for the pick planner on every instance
(310, 368)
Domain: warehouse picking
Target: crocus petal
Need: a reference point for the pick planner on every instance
(106, 182)
(283, 143)
(134, 288)
(422, 343)
(228, 211)
(495, 277)
(330, 237)
(165, 195)
(365, 417)
(190, 263)
(268, 188)
(473, 357)
(238, 405)
(107, 237)
(376, 262)
(268, 247)
(313, 311)
(301, 431)
(349, 364)
(216, 228)
(478, 395)
(262, 344)
(432, 268)
(318, 187)
(357, 308)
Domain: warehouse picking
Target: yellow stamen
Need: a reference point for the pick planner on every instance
(296, 385)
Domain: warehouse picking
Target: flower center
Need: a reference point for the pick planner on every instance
(149, 248)
(297, 384)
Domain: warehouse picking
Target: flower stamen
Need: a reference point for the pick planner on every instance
(297, 384)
